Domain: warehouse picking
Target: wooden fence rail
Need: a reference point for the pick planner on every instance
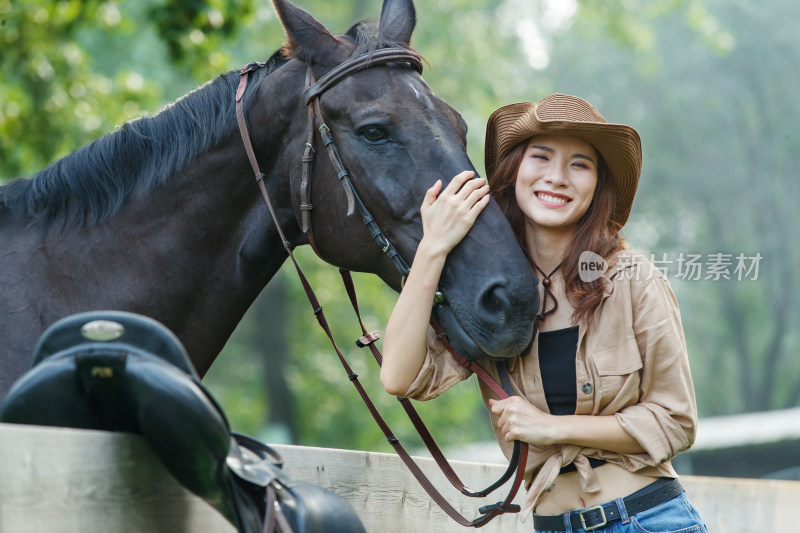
(65, 480)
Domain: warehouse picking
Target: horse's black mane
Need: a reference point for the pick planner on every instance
(94, 181)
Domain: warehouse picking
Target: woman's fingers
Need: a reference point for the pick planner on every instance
(479, 197)
(449, 212)
(466, 187)
(464, 191)
(458, 181)
(518, 419)
(431, 194)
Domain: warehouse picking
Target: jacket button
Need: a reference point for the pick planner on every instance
(587, 388)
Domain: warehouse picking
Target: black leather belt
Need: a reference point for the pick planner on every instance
(656, 493)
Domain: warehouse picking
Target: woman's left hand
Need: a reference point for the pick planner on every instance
(518, 419)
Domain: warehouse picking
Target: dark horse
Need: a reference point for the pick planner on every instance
(164, 218)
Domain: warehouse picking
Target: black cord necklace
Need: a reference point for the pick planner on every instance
(546, 283)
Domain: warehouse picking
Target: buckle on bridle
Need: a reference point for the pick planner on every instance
(499, 508)
(594, 526)
(250, 67)
(368, 339)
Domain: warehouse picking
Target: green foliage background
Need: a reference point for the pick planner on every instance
(708, 84)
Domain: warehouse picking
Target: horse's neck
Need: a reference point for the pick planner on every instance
(192, 253)
(210, 240)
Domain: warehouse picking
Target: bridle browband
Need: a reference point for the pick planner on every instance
(359, 63)
(314, 90)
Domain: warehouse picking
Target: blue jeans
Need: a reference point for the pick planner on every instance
(675, 516)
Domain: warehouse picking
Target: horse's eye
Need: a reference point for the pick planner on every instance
(374, 134)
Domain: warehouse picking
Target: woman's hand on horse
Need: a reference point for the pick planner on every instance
(447, 215)
(518, 419)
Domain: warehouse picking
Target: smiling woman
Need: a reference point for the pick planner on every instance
(604, 396)
(556, 182)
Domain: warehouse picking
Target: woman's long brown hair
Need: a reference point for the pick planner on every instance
(596, 232)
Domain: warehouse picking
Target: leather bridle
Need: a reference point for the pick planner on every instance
(313, 92)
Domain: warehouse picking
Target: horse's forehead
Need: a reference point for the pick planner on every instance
(395, 85)
(410, 83)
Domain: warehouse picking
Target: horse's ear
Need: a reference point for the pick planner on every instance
(309, 41)
(398, 19)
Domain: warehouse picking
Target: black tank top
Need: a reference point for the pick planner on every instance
(557, 351)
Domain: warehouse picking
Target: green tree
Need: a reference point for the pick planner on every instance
(72, 70)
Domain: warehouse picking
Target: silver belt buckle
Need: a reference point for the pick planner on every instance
(596, 526)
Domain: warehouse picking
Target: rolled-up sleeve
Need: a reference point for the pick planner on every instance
(438, 373)
(664, 421)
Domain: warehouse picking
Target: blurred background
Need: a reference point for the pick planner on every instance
(709, 84)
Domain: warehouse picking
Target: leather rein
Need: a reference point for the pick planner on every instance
(312, 94)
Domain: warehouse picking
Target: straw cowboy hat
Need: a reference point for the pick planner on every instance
(619, 145)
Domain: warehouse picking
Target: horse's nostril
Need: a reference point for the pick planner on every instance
(493, 304)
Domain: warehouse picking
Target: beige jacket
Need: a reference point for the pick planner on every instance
(632, 364)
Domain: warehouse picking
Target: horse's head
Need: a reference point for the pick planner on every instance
(396, 138)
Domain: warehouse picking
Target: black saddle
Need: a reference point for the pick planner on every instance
(119, 371)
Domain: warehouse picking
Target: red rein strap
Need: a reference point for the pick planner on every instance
(482, 374)
(520, 450)
(520, 454)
